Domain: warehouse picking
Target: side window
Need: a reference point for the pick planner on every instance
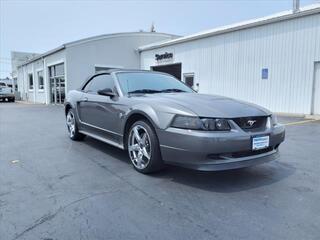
(100, 82)
(30, 78)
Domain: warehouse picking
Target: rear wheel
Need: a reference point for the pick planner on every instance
(143, 148)
(72, 126)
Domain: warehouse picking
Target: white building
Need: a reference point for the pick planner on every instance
(46, 78)
(272, 61)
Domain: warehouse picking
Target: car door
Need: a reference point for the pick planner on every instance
(99, 114)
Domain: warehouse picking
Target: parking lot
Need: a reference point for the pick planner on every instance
(54, 188)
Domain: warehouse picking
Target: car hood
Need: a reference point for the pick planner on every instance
(207, 105)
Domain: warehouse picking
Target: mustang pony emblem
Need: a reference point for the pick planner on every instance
(251, 122)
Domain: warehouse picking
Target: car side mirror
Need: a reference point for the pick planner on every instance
(107, 92)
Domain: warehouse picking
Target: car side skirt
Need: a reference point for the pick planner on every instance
(115, 144)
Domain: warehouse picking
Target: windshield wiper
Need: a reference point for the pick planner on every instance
(144, 91)
(172, 90)
(168, 90)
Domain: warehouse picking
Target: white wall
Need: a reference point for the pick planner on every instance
(115, 50)
(23, 82)
(230, 64)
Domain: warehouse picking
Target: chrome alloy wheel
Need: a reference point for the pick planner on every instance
(71, 124)
(139, 147)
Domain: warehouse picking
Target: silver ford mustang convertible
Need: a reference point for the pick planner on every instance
(159, 120)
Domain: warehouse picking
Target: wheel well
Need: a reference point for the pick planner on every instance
(130, 121)
(67, 108)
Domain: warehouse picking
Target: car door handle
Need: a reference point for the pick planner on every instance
(85, 99)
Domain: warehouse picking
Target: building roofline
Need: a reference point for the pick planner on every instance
(111, 35)
(42, 55)
(90, 39)
(281, 16)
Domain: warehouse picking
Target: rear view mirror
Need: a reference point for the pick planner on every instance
(107, 92)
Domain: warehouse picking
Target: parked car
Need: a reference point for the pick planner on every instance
(6, 93)
(159, 120)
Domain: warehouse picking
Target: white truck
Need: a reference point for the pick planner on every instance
(6, 93)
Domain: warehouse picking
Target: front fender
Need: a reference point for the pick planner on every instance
(159, 120)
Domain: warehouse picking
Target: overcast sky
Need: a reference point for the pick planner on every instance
(38, 26)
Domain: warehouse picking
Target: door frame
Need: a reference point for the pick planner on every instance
(313, 95)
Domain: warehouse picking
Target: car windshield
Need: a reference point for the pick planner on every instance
(149, 82)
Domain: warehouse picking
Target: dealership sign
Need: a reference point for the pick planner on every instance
(165, 57)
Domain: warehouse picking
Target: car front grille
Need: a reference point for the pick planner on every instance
(251, 124)
(240, 154)
(251, 153)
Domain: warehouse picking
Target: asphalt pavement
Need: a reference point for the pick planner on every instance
(52, 188)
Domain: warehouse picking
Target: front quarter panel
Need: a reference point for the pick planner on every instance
(158, 113)
(72, 98)
(158, 120)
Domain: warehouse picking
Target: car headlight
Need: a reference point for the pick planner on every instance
(205, 124)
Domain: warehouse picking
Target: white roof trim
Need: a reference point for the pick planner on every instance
(95, 38)
(286, 15)
(113, 35)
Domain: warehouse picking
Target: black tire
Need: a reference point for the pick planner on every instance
(12, 99)
(155, 162)
(75, 135)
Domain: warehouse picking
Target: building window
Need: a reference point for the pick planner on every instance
(59, 69)
(40, 80)
(30, 79)
(189, 79)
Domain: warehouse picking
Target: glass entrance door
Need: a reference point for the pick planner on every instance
(60, 90)
(57, 84)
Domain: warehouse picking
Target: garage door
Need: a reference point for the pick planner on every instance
(172, 69)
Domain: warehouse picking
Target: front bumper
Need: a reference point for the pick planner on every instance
(213, 151)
